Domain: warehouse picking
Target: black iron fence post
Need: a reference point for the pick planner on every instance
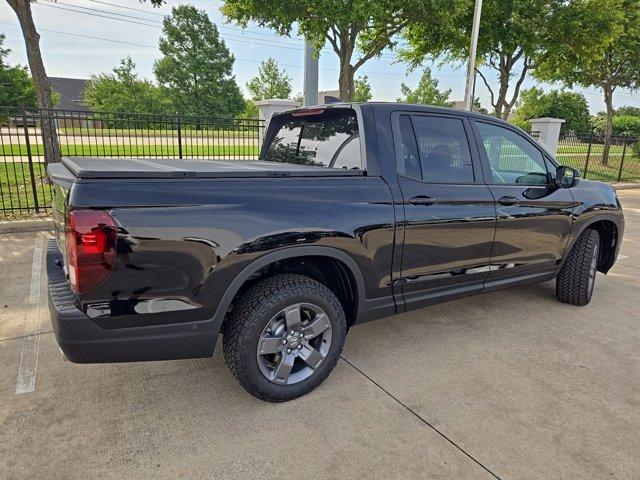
(624, 151)
(178, 126)
(25, 127)
(586, 163)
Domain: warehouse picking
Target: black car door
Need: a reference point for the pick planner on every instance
(449, 214)
(533, 215)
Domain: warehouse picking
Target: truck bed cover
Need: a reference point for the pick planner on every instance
(91, 167)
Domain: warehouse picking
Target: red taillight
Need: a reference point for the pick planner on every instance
(91, 248)
(308, 111)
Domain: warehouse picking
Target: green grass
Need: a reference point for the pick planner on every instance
(583, 148)
(102, 150)
(16, 190)
(575, 155)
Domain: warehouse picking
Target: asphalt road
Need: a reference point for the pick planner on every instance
(509, 385)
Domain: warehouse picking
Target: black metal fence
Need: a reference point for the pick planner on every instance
(24, 187)
(25, 190)
(586, 152)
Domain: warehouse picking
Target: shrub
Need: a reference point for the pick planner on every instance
(622, 125)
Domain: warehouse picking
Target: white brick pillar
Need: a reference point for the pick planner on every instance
(548, 130)
(267, 108)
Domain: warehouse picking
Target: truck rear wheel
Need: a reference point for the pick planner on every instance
(577, 276)
(284, 336)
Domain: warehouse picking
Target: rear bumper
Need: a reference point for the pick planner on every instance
(83, 341)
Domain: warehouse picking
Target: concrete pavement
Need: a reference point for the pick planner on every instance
(505, 385)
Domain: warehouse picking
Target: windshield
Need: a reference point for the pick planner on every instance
(328, 138)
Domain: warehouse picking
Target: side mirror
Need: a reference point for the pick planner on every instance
(566, 177)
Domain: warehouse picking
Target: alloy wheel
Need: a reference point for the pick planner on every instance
(294, 344)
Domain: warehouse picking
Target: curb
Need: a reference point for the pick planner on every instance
(23, 226)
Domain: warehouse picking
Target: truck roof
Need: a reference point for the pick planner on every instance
(398, 106)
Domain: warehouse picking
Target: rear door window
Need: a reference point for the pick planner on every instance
(444, 149)
(329, 138)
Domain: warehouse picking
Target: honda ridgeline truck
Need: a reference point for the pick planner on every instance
(352, 212)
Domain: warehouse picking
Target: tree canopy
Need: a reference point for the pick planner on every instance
(17, 87)
(196, 67)
(123, 91)
(628, 110)
(515, 37)
(570, 106)
(615, 65)
(270, 82)
(357, 30)
(427, 92)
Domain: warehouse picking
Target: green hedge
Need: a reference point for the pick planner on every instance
(622, 125)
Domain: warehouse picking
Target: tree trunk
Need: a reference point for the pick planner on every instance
(346, 81)
(22, 8)
(501, 107)
(608, 130)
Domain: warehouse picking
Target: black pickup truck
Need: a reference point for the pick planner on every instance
(352, 212)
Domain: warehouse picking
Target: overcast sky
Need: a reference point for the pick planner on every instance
(138, 28)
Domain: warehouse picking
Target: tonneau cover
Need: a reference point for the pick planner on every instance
(90, 167)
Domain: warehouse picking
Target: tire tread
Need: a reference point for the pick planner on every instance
(572, 284)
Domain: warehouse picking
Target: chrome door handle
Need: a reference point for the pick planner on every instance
(508, 201)
(422, 200)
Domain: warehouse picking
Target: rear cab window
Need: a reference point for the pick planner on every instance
(434, 149)
(328, 138)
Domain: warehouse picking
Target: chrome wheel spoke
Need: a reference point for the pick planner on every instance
(311, 356)
(318, 325)
(269, 344)
(293, 317)
(283, 369)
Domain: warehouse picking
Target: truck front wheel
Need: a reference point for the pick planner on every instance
(577, 276)
(284, 336)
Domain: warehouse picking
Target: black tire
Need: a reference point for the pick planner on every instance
(576, 278)
(253, 312)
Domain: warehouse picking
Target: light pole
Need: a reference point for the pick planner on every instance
(310, 83)
(471, 72)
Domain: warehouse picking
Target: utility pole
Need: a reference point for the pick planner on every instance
(310, 87)
(471, 69)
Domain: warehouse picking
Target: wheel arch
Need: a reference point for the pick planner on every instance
(246, 277)
(610, 230)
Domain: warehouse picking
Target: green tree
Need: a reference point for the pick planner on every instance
(250, 111)
(426, 93)
(570, 106)
(621, 125)
(354, 28)
(271, 82)
(515, 37)
(617, 64)
(17, 87)
(477, 107)
(628, 110)
(196, 67)
(362, 89)
(123, 91)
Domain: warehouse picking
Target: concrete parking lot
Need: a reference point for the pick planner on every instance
(508, 385)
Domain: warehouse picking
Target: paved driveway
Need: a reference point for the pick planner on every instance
(509, 385)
